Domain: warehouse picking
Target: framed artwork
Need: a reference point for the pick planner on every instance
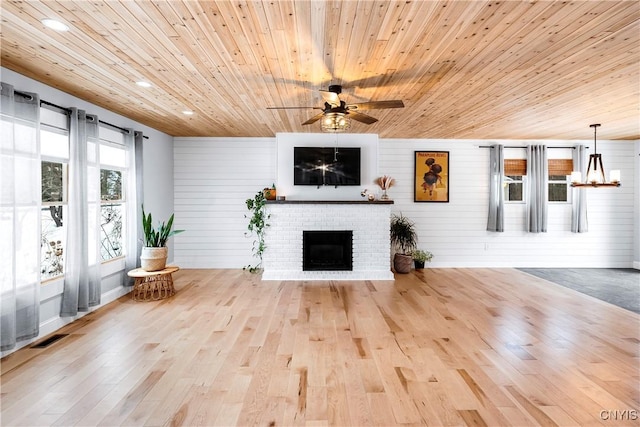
(431, 176)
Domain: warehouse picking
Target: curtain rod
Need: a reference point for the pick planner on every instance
(523, 146)
(68, 110)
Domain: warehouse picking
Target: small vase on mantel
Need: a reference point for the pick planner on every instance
(385, 182)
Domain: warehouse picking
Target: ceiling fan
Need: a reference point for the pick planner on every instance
(336, 109)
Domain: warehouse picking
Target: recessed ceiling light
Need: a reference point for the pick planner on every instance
(142, 83)
(55, 25)
(187, 113)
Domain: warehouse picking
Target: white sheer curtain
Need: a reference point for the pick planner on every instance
(133, 197)
(579, 223)
(495, 221)
(538, 188)
(20, 204)
(82, 263)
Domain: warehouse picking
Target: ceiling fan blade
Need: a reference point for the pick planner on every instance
(377, 105)
(331, 98)
(314, 119)
(362, 118)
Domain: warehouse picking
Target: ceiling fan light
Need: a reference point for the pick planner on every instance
(335, 122)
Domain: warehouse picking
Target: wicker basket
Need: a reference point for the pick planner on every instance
(402, 263)
(153, 259)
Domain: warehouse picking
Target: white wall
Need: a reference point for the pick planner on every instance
(456, 231)
(158, 195)
(213, 177)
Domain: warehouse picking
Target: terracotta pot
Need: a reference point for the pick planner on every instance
(402, 263)
(153, 259)
(269, 193)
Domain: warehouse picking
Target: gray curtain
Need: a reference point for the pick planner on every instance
(82, 261)
(20, 205)
(579, 223)
(538, 188)
(133, 196)
(495, 220)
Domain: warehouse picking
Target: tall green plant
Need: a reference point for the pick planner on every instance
(257, 225)
(157, 238)
(403, 234)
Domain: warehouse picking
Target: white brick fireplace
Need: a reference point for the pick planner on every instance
(369, 222)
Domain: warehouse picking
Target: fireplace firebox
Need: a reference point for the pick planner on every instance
(327, 250)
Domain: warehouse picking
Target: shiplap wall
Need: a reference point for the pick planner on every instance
(456, 231)
(213, 177)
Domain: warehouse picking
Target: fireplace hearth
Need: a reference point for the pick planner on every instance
(327, 250)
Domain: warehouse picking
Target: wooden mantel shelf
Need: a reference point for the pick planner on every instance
(331, 202)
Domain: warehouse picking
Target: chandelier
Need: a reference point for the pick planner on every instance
(595, 170)
(335, 122)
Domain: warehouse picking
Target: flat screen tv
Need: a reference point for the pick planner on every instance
(326, 166)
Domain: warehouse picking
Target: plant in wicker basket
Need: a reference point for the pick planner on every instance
(154, 253)
(403, 240)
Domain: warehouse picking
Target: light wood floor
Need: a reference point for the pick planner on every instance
(490, 347)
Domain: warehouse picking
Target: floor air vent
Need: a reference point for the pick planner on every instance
(47, 342)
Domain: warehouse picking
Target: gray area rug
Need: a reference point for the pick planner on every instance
(618, 286)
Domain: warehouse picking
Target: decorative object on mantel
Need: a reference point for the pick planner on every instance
(403, 240)
(420, 257)
(270, 193)
(257, 225)
(385, 182)
(370, 196)
(154, 252)
(595, 176)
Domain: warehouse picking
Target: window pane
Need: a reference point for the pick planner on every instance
(513, 188)
(514, 192)
(52, 241)
(54, 144)
(110, 185)
(557, 192)
(52, 182)
(112, 156)
(111, 231)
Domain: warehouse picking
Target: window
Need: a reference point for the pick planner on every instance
(110, 213)
(559, 179)
(515, 171)
(54, 143)
(513, 188)
(112, 180)
(558, 185)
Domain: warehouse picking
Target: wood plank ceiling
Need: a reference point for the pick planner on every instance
(464, 69)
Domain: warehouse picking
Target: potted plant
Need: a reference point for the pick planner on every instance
(420, 257)
(154, 252)
(257, 224)
(403, 240)
(270, 193)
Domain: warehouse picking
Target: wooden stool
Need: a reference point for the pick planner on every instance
(153, 285)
